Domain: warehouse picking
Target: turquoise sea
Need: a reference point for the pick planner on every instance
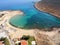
(32, 18)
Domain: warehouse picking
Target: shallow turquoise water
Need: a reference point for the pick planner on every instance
(32, 18)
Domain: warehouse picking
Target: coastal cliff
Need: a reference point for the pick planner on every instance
(49, 6)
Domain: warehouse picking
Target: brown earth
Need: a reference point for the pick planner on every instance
(49, 6)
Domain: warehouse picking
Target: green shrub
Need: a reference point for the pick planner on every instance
(2, 39)
(25, 37)
(6, 41)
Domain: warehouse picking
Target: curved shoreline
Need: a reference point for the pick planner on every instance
(36, 9)
(45, 11)
(13, 31)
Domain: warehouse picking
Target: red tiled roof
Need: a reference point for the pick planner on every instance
(23, 42)
(1, 43)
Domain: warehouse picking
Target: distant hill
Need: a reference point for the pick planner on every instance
(50, 6)
(53, 3)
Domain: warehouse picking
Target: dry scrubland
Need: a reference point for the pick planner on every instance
(49, 6)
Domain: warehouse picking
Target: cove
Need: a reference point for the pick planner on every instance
(32, 18)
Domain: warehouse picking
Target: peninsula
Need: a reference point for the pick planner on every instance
(49, 6)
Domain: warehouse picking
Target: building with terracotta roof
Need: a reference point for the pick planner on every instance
(24, 42)
(1, 43)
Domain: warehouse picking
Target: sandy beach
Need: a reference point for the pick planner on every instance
(13, 31)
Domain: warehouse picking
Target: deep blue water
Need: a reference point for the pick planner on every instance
(32, 18)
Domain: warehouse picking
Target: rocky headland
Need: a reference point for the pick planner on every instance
(49, 6)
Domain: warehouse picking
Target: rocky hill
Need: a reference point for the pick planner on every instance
(49, 6)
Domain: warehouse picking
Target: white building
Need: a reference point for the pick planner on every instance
(3, 34)
(33, 43)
